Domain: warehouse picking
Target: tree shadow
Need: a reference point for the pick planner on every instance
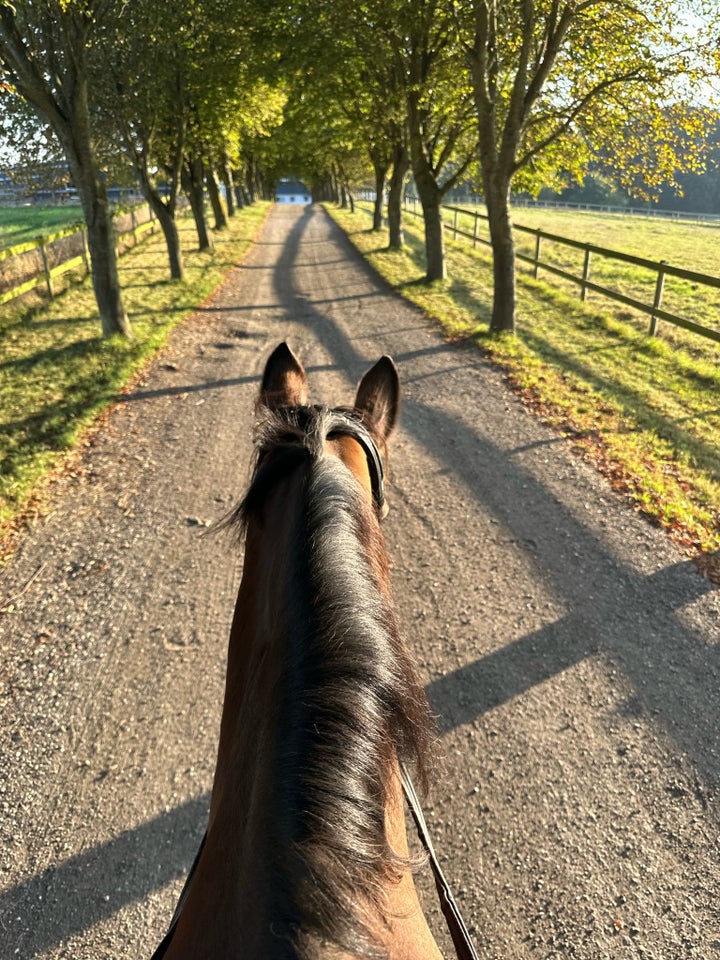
(643, 411)
(63, 901)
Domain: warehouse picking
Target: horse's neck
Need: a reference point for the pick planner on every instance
(254, 653)
(222, 917)
(246, 738)
(226, 906)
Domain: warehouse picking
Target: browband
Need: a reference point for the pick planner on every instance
(350, 426)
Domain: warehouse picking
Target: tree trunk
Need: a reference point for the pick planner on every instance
(497, 198)
(216, 200)
(381, 169)
(105, 276)
(168, 224)
(76, 140)
(434, 239)
(192, 182)
(430, 193)
(227, 179)
(101, 243)
(324, 188)
(165, 212)
(401, 165)
(252, 180)
(431, 200)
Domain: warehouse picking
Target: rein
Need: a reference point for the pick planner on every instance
(464, 946)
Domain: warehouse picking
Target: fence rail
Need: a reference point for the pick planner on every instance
(655, 213)
(42, 244)
(659, 268)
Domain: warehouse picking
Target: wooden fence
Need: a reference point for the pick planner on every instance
(661, 270)
(43, 244)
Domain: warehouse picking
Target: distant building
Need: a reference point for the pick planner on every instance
(292, 191)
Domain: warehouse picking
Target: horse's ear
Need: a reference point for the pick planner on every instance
(284, 383)
(378, 397)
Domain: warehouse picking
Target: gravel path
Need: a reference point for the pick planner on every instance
(571, 654)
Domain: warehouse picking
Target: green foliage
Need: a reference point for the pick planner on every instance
(560, 83)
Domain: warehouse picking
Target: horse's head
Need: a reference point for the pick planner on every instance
(361, 434)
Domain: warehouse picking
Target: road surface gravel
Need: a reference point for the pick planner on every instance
(571, 654)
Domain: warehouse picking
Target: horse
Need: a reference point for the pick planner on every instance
(306, 854)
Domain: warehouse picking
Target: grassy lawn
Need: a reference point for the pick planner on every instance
(647, 411)
(57, 373)
(685, 245)
(22, 224)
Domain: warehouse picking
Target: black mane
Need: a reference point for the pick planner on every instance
(348, 699)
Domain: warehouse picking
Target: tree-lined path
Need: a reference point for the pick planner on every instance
(571, 654)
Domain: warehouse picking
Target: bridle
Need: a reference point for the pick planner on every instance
(344, 424)
(336, 423)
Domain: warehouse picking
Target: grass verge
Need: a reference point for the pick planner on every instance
(57, 374)
(646, 412)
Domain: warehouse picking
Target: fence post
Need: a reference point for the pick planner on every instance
(475, 231)
(134, 226)
(46, 268)
(455, 224)
(657, 302)
(538, 248)
(586, 275)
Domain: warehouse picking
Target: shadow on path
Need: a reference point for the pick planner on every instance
(67, 899)
(610, 608)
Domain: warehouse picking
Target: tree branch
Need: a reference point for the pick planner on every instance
(574, 114)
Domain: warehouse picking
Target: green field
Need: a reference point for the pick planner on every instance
(57, 373)
(689, 246)
(682, 244)
(644, 409)
(22, 224)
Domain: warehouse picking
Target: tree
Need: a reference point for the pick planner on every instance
(556, 81)
(414, 71)
(440, 124)
(253, 147)
(44, 51)
(396, 71)
(147, 108)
